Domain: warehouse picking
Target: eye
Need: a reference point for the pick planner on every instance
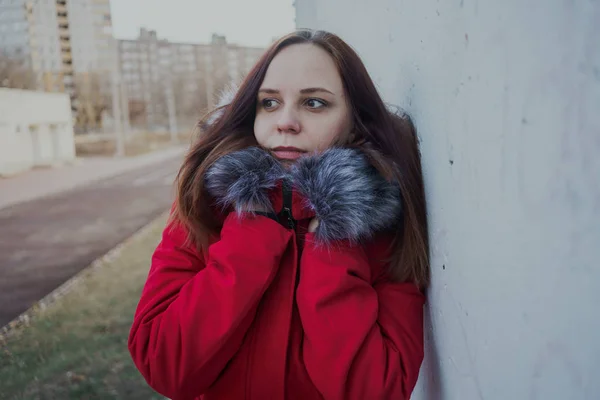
(316, 104)
(268, 104)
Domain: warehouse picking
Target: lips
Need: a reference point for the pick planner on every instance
(288, 153)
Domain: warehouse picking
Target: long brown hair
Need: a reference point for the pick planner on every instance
(387, 137)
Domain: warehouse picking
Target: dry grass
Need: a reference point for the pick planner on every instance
(140, 143)
(77, 347)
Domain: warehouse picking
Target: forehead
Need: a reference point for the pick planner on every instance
(302, 66)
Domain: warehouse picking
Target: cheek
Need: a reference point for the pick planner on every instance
(328, 131)
(260, 130)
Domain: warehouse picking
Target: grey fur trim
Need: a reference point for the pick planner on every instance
(225, 98)
(243, 178)
(349, 196)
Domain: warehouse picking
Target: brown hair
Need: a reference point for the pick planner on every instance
(388, 138)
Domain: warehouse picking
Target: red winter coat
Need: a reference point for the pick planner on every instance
(266, 314)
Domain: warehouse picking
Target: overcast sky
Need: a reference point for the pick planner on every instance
(245, 22)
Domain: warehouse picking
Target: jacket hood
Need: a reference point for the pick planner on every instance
(339, 187)
(225, 98)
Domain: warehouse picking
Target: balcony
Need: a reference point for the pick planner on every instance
(48, 81)
(61, 8)
(67, 57)
(62, 20)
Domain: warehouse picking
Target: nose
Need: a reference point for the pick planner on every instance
(288, 122)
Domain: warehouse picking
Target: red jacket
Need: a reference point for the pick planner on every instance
(266, 314)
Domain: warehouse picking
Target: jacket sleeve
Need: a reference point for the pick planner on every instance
(194, 310)
(362, 340)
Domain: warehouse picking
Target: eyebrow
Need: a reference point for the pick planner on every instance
(303, 91)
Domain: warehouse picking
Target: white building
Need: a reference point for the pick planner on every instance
(35, 130)
(241, 59)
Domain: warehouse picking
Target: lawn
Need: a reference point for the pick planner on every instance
(76, 348)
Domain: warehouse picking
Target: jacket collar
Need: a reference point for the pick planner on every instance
(300, 208)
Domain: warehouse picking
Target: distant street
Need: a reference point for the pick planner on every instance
(46, 241)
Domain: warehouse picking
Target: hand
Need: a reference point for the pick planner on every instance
(313, 225)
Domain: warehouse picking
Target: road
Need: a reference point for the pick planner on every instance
(46, 241)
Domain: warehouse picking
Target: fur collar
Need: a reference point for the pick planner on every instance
(349, 197)
(242, 180)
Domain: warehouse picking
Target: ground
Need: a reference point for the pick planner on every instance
(76, 348)
(46, 241)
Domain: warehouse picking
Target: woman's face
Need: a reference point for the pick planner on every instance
(302, 105)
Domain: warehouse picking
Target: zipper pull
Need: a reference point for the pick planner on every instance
(286, 210)
(290, 218)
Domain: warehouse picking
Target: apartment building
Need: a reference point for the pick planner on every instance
(171, 83)
(94, 58)
(67, 44)
(34, 36)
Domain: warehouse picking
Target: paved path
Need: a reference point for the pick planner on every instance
(45, 241)
(46, 181)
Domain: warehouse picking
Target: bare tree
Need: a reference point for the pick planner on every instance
(190, 98)
(137, 112)
(92, 100)
(14, 73)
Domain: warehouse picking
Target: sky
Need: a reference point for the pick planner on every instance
(244, 22)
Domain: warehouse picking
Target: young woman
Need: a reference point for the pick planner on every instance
(294, 261)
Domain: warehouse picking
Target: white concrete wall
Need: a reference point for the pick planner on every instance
(506, 97)
(35, 130)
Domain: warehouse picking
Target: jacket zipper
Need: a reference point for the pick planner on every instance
(286, 211)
